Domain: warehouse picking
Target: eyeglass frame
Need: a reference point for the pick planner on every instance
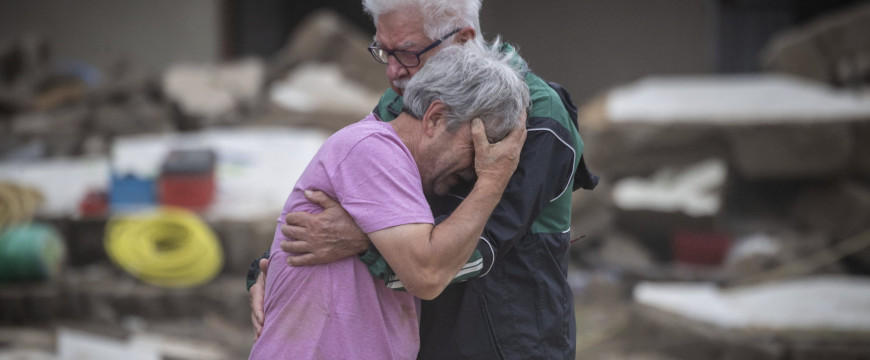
(373, 49)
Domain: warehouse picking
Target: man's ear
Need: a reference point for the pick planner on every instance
(434, 116)
(467, 33)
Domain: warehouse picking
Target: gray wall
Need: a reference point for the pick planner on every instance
(591, 45)
(153, 32)
(586, 45)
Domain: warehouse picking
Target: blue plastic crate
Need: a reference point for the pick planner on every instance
(129, 192)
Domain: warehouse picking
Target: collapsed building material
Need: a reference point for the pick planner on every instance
(693, 190)
(841, 209)
(778, 138)
(325, 37)
(792, 151)
(834, 49)
(214, 93)
(320, 95)
(821, 317)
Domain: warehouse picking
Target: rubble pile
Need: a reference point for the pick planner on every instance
(70, 129)
(834, 49)
(717, 160)
(52, 107)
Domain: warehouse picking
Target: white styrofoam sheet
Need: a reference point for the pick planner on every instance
(819, 303)
(747, 98)
(256, 169)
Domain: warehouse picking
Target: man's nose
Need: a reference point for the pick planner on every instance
(395, 70)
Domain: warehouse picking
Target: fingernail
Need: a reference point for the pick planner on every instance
(308, 193)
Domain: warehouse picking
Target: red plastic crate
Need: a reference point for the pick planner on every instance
(700, 248)
(194, 192)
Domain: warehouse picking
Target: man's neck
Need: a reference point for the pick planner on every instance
(411, 133)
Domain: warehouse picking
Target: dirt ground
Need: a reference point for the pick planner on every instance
(212, 322)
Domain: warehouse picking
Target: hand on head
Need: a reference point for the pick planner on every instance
(496, 161)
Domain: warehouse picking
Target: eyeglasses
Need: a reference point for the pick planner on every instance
(405, 58)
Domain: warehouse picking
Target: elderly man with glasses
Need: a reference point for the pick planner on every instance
(515, 302)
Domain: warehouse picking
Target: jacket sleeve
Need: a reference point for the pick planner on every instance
(544, 173)
(254, 271)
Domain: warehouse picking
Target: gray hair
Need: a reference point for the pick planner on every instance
(440, 17)
(473, 80)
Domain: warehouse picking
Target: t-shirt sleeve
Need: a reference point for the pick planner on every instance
(378, 184)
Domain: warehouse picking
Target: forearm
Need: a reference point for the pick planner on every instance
(428, 267)
(425, 257)
(453, 241)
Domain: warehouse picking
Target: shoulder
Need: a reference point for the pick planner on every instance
(367, 127)
(545, 101)
(364, 139)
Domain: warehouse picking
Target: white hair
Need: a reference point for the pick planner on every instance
(440, 17)
(474, 80)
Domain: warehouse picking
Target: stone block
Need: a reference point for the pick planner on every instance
(326, 37)
(861, 164)
(791, 151)
(625, 252)
(214, 93)
(592, 215)
(796, 52)
(617, 151)
(841, 209)
(831, 49)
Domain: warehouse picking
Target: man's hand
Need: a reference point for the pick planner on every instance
(496, 162)
(322, 238)
(255, 296)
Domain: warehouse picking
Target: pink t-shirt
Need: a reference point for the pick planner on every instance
(338, 310)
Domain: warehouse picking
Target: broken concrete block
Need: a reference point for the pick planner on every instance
(639, 149)
(592, 216)
(214, 92)
(797, 52)
(73, 344)
(829, 49)
(753, 254)
(625, 252)
(324, 92)
(791, 151)
(325, 37)
(694, 190)
(841, 209)
(861, 164)
(31, 124)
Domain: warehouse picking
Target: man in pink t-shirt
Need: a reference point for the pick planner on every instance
(380, 172)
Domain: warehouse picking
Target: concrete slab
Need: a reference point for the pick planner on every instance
(734, 99)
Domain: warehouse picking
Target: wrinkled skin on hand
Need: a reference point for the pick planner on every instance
(255, 297)
(322, 238)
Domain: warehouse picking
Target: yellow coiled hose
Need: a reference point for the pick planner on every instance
(168, 247)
